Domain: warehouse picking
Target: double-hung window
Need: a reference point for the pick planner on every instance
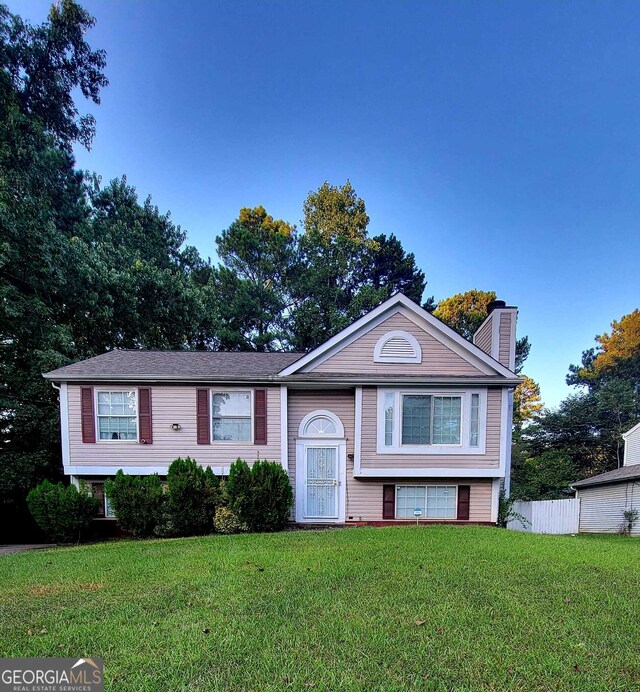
(231, 416)
(117, 414)
(433, 501)
(431, 420)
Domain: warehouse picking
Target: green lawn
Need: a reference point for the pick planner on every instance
(437, 607)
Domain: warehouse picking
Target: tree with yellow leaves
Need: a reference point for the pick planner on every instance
(617, 355)
(465, 312)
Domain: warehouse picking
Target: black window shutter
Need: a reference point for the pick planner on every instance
(464, 493)
(202, 417)
(144, 415)
(260, 417)
(388, 501)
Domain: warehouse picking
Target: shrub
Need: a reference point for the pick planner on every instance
(272, 496)
(260, 496)
(507, 513)
(139, 503)
(193, 493)
(64, 513)
(225, 520)
(237, 491)
(631, 516)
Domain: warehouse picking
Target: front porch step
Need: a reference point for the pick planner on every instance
(314, 527)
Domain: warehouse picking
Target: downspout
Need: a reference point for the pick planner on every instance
(507, 467)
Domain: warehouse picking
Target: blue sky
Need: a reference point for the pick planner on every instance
(499, 141)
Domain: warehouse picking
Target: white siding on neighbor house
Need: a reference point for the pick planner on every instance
(372, 460)
(170, 404)
(357, 357)
(602, 507)
(632, 447)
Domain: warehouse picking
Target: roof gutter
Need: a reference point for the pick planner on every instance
(310, 379)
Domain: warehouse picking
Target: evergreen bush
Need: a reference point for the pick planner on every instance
(192, 497)
(260, 496)
(139, 504)
(64, 513)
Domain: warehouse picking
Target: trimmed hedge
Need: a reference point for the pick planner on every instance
(194, 501)
(64, 513)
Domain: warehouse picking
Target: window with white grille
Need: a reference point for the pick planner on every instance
(397, 347)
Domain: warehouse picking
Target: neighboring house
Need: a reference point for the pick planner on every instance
(395, 412)
(604, 498)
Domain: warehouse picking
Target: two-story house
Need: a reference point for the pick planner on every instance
(394, 413)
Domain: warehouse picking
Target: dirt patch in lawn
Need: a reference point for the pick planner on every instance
(51, 589)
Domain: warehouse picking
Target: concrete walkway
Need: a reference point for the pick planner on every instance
(21, 548)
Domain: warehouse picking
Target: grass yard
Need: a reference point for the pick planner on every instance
(437, 607)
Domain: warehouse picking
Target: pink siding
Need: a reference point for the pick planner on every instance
(364, 497)
(301, 402)
(482, 338)
(504, 350)
(171, 404)
(371, 459)
(437, 359)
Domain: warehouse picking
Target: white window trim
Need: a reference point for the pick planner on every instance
(97, 416)
(321, 413)
(236, 390)
(462, 448)
(378, 356)
(106, 515)
(425, 486)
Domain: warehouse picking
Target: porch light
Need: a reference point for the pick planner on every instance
(175, 426)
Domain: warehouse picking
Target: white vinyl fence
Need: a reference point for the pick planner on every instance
(547, 516)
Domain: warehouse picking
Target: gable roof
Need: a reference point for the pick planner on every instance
(635, 429)
(175, 365)
(624, 473)
(399, 300)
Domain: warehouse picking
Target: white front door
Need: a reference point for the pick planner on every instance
(321, 469)
(321, 482)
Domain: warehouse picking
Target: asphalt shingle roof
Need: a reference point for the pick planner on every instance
(177, 364)
(624, 473)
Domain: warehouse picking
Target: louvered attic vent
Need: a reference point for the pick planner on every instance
(397, 347)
